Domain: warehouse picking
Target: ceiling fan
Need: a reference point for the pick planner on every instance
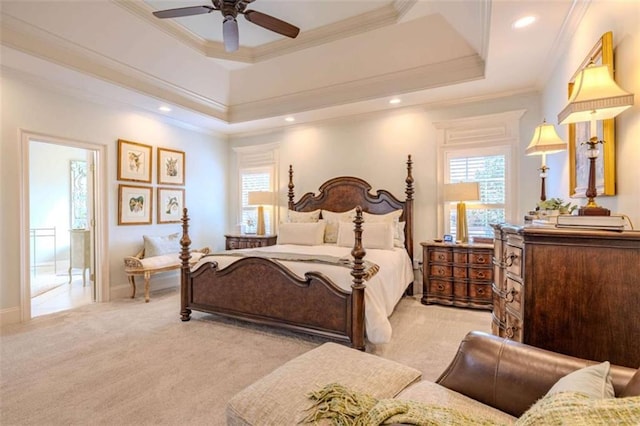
(230, 9)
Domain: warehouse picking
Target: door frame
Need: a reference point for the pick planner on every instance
(100, 226)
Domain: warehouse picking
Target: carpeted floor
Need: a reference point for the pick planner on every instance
(133, 363)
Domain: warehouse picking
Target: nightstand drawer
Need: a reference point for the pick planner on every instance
(234, 242)
(439, 271)
(440, 255)
(440, 287)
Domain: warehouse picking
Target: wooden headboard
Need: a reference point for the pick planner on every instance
(343, 193)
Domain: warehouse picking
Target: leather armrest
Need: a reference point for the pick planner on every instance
(511, 376)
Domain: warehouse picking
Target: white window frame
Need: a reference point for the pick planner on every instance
(494, 134)
(258, 158)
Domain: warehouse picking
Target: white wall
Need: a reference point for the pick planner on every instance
(623, 19)
(375, 147)
(37, 109)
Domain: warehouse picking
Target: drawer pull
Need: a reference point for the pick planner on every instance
(511, 295)
(440, 271)
(510, 258)
(481, 259)
(441, 256)
(440, 287)
(510, 332)
(480, 275)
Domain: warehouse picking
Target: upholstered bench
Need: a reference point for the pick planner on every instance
(159, 254)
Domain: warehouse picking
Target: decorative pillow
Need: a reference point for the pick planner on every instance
(302, 234)
(302, 217)
(593, 381)
(393, 217)
(374, 235)
(333, 220)
(157, 246)
(574, 408)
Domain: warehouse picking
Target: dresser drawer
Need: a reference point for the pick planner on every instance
(514, 296)
(440, 271)
(513, 327)
(485, 274)
(440, 255)
(480, 291)
(440, 288)
(460, 257)
(513, 261)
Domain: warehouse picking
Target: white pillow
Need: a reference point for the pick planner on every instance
(376, 235)
(333, 220)
(303, 217)
(594, 381)
(158, 246)
(302, 234)
(393, 217)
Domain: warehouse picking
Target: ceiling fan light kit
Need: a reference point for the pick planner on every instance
(230, 9)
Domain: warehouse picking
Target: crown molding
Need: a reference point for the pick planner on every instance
(394, 83)
(26, 38)
(377, 18)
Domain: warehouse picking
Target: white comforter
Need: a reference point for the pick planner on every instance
(382, 293)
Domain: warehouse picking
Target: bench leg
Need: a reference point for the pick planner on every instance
(132, 281)
(147, 277)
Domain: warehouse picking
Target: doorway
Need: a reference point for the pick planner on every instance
(60, 218)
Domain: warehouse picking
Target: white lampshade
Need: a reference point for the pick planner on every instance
(595, 96)
(463, 191)
(545, 140)
(260, 198)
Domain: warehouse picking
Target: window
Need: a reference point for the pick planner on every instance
(257, 171)
(255, 179)
(489, 170)
(479, 149)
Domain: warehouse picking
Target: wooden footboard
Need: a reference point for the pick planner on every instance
(263, 291)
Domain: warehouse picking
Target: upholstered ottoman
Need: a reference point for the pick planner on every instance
(280, 397)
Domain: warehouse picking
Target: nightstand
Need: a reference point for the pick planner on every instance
(249, 241)
(458, 275)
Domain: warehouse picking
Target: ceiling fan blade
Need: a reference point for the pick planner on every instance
(183, 11)
(230, 33)
(271, 23)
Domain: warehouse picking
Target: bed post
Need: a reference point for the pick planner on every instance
(357, 293)
(409, 209)
(290, 194)
(185, 242)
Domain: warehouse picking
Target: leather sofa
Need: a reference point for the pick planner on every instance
(491, 377)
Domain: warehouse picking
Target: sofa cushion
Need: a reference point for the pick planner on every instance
(167, 260)
(432, 393)
(160, 245)
(280, 398)
(593, 381)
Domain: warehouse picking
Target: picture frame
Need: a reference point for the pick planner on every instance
(600, 54)
(135, 204)
(134, 161)
(171, 165)
(170, 204)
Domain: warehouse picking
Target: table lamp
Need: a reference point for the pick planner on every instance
(260, 199)
(595, 96)
(461, 192)
(545, 141)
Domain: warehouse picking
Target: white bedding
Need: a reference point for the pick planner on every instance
(382, 293)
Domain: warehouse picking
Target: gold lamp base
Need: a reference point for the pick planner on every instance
(260, 230)
(462, 233)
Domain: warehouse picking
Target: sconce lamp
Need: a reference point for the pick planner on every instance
(595, 96)
(260, 199)
(461, 192)
(545, 141)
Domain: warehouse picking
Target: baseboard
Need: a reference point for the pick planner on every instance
(10, 316)
(158, 282)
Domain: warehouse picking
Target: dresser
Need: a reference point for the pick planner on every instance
(457, 274)
(241, 241)
(571, 291)
(80, 252)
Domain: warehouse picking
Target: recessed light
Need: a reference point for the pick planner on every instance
(290, 119)
(524, 22)
(395, 101)
(164, 109)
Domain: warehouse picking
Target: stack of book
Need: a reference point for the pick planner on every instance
(614, 222)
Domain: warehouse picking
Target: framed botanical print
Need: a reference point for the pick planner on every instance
(170, 205)
(134, 161)
(134, 205)
(170, 167)
(600, 54)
